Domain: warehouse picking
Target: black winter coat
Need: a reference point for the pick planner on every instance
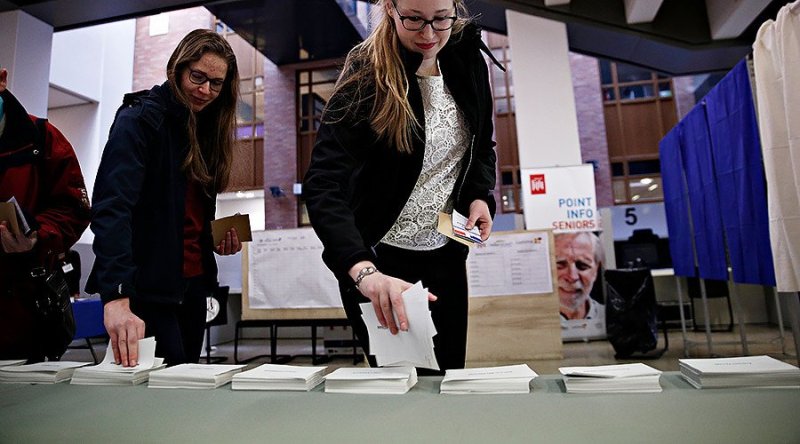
(357, 185)
(139, 203)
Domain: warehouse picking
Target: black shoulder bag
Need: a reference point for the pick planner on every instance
(53, 310)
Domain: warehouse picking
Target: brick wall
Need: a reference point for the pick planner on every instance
(280, 146)
(591, 123)
(151, 53)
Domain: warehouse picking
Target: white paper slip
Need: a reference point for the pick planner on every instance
(7, 362)
(611, 371)
(110, 373)
(407, 348)
(278, 377)
(194, 376)
(147, 357)
(740, 365)
(746, 371)
(488, 380)
(360, 380)
(49, 372)
(618, 378)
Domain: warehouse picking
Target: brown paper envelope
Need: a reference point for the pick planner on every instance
(8, 213)
(239, 221)
(445, 227)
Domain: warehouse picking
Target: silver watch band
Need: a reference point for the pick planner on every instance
(364, 272)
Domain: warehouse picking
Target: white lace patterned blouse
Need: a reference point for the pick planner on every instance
(445, 145)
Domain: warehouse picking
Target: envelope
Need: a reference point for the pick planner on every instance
(8, 213)
(239, 221)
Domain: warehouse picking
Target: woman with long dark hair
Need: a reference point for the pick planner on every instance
(168, 155)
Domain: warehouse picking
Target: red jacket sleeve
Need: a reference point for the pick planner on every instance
(62, 211)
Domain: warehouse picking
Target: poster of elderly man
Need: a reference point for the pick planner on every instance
(579, 264)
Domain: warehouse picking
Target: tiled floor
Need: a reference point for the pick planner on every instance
(762, 339)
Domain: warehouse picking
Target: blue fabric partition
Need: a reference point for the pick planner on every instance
(703, 199)
(676, 204)
(738, 168)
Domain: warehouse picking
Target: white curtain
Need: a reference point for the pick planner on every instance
(776, 57)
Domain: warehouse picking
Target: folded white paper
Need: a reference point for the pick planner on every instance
(360, 380)
(488, 380)
(618, 378)
(7, 362)
(109, 372)
(278, 377)
(407, 348)
(194, 376)
(49, 372)
(745, 371)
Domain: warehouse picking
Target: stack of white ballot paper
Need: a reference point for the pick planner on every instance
(279, 377)
(194, 376)
(621, 378)
(488, 380)
(746, 371)
(407, 348)
(50, 372)
(361, 380)
(110, 373)
(7, 362)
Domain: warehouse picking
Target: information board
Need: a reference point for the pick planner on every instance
(285, 270)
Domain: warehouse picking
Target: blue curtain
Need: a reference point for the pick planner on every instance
(698, 167)
(676, 204)
(738, 168)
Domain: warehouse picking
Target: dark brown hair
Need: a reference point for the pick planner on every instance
(212, 130)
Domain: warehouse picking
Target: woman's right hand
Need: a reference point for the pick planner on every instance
(386, 294)
(125, 329)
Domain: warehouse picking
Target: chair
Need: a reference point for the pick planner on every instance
(714, 289)
(632, 314)
(88, 322)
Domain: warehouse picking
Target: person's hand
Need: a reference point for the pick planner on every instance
(15, 244)
(480, 216)
(386, 294)
(229, 244)
(125, 330)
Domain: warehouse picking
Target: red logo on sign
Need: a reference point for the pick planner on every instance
(537, 184)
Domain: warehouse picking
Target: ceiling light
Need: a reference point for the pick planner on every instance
(646, 181)
(652, 187)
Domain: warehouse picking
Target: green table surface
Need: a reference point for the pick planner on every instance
(679, 414)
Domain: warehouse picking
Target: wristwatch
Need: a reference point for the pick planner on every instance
(364, 272)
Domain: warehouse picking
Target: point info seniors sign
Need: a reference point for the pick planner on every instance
(560, 198)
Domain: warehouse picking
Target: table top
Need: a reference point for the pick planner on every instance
(680, 414)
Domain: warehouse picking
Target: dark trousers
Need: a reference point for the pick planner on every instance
(178, 328)
(443, 271)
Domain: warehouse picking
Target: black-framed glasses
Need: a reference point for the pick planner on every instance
(417, 23)
(199, 78)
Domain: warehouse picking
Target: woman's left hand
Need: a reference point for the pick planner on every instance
(480, 216)
(230, 244)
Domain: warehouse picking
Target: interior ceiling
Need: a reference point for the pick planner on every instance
(676, 40)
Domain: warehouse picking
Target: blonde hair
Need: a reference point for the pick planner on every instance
(373, 70)
(211, 143)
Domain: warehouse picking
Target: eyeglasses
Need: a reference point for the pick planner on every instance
(417, 23)
(199, 78)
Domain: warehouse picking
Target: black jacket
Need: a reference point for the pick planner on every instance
(357, 185)
(139, 201)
